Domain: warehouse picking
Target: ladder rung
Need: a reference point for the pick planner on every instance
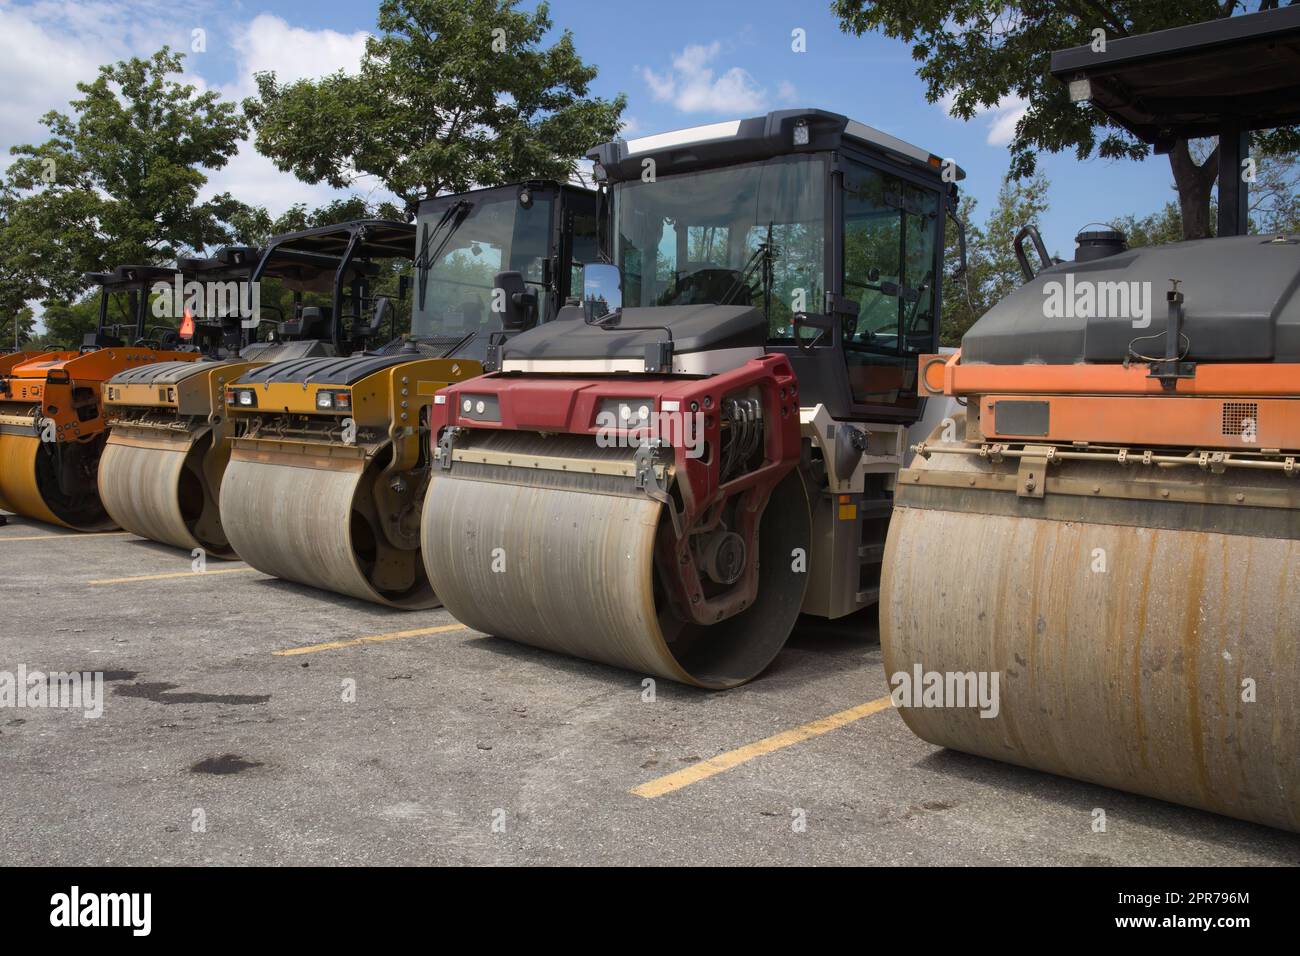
(868, 596)
(871, 553)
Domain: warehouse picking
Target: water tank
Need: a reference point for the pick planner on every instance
(1098, 244)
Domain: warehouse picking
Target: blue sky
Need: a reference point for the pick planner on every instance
(680, 64)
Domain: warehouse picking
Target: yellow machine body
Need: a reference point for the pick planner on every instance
(328, 472)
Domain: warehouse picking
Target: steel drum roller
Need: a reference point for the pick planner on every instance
(29, 487)
(308, 525)
(155, 490)
(565, 561)
(1131, 676)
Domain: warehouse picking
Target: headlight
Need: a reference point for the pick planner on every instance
(626, 412)
(334, 400)
(244, 397)
(480, 408)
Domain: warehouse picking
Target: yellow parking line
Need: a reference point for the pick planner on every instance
(176, 574)
(71, 534)
(734, 758)
(372, 639)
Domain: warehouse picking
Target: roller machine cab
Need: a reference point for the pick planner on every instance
(329, 469)
(1114, 525)
(491, 263)
(53, 423)
(663, 478)
(160, 474)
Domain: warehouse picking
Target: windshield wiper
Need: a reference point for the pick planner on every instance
(424, 259)
(763, 254)
(459, 345)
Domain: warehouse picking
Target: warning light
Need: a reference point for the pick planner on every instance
(187, 325)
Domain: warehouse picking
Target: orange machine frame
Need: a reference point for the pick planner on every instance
(1229, 406)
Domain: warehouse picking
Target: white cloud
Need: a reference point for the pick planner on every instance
(1001, 118)
(293, 53)
(1002, 128)
(47, 47)
(269, 43)
(691, 85)
(786, 93)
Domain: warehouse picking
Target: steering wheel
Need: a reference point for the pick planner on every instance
(707, 286)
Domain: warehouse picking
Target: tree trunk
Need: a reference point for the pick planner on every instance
(1194, 184)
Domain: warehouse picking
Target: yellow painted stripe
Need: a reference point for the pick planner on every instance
(734, 758)
(70, 536)
(176, 574)
(372, 639)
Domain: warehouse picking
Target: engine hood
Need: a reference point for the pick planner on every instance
(1241, 305)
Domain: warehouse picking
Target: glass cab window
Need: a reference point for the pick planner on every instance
(464, 254)
(584, 239)
(751, 235)
(891, 227)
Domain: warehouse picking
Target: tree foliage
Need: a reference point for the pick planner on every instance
(253, 226)
(118, 180)
(992, 271)
(982, 52)
(450, 94)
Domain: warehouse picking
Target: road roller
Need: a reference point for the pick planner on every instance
(329, 466)
(53, 424)
(1112, 527)
(167, 451)
(664, 478)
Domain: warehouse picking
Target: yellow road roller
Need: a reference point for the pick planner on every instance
(667, 475)
(160, 474)
(1112, 530)
(53, 424)
(329, 467)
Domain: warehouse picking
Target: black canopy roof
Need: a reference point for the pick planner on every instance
(131, 277)
(1191, 81)
(308, 258)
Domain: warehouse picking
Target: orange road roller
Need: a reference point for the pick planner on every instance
(53, 424)
(1113, 526)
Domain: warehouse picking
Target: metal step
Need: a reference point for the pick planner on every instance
(871, 553)
(869, 596)
(875, 508)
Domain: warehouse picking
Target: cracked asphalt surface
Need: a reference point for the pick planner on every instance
(450, 746)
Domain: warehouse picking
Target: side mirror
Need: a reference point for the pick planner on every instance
(602, 290)
(516, 303)
(403, 287)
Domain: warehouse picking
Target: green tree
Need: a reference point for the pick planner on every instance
(254, 226)
(982, 51)
(1274, 207)
(118, 180)
(1275, 195)
(450, 94)
(66, 323)
(1162, 226)
(16, 328)
(992, 270)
